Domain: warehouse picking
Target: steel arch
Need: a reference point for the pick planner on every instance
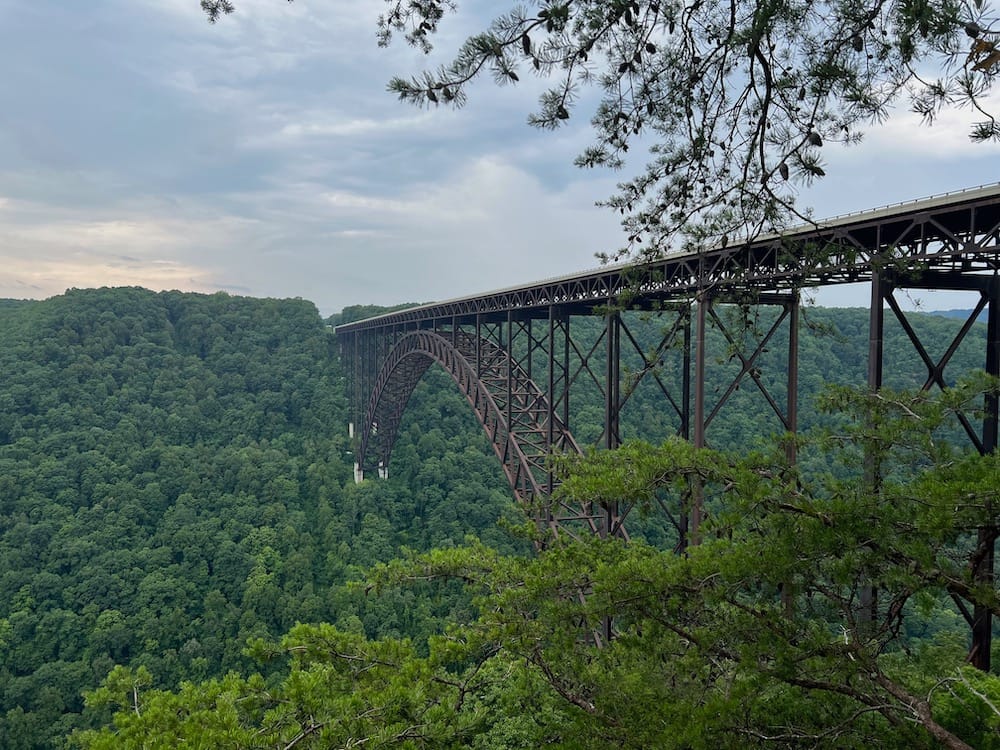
(512, 409)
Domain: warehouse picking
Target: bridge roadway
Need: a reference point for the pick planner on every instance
(511, 352)
(955, 232)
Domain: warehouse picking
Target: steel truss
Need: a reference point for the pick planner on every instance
(884, 285)
(498, 366)
(518, 355)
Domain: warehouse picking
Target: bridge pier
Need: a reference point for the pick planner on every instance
(884, 285)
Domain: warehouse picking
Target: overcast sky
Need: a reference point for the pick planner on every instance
(141, 146)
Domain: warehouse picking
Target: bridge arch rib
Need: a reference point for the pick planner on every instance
(513, 411)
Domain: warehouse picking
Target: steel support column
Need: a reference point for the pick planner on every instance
(684, 517)
(612, 381)
(868, 599)
(557, 372)
(567, 332)
(612, 409)
(696, 499)
(685, 431)
(982, 619)
(792, 386)
(792, 423)
(510, 366)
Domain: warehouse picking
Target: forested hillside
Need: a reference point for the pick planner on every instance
(175, 480)
(175, 477)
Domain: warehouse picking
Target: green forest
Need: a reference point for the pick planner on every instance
(185, 558)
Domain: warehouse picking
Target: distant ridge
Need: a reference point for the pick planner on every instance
(6, 302)
(963, 314)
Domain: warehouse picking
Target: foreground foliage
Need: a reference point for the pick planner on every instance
(763, 635)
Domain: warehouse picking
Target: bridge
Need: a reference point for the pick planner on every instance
(522, 366)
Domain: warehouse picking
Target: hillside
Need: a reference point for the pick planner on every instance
(175, 478)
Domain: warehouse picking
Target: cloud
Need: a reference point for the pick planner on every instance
(489, 224)
(905, 133)
(263, 154)
(294, 130)
(485, 224)
(44, 277)
(111, 235)
(48, 250)
(342, 127)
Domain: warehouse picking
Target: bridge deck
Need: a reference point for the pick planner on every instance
(956, 232)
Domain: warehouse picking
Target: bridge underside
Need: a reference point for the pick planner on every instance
(532, 361)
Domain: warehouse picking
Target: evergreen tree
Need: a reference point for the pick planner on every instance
(737, 100)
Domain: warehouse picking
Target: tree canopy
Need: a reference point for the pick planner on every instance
(735, 100)
(762, 636)
(176, 478)
(176, 482)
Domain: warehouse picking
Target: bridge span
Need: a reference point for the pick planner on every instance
(513, 355)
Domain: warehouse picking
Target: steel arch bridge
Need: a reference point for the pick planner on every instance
(512, 354)
(512, 409)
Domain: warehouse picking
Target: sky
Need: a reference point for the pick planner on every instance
(263, 156)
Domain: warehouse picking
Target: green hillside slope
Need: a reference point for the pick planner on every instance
(175, 478)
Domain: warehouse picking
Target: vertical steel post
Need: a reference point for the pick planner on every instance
(612, 391)
(357, 388)
(685, 431)
(612, 405)
(683, 518)
(982, 619)
(566, 371)
(367, 349)
(990, 422)
(876, 333)
(479, 339)
(551, 391)
(531, 348)
(791, 420)
(876, 329)
(611, 429)
(697, 494)
(510, 367)
(792, 401)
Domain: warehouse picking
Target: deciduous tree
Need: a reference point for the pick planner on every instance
(761, 636)
(765, 634)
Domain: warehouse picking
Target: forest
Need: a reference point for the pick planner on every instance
(185, 557)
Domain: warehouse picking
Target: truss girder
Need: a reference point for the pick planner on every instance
(960, 234)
